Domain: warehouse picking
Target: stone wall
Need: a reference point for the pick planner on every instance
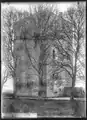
(25, 73)
(65, 80)
(24, 29)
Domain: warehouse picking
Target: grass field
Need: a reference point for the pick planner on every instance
(44, 107)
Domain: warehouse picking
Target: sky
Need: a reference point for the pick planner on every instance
(62, 7)
(23, 6)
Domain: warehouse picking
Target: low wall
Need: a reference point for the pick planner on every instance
(45, 107)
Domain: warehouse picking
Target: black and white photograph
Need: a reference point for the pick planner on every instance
(43, 59)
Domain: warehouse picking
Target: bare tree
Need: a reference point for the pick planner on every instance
(56, 30)
(9, 16)
(71, 34)
(7, 41)
(44, 20)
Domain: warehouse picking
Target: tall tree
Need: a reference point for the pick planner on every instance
(72, 34)
(9, 16)
(77, 17)
(44, 20)
(44, 17)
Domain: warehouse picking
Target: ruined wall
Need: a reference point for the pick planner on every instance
(25, 28)
(25, 73)
(58, 84)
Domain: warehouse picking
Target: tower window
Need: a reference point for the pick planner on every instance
(53, 54)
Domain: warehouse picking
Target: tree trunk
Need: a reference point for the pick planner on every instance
(73, 85)
(74, 76)
(42, 73)
(42, 88)
(14, 84)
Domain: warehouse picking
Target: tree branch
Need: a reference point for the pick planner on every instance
(30, 57)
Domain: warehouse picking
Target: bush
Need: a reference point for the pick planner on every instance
(77, 92)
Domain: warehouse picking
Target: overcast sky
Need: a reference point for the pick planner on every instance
(61, 5)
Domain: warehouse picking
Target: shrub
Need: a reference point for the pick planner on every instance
(77, 92)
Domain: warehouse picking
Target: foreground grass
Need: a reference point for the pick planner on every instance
(45, 107)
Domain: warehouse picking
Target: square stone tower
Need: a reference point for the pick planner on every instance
(26, 81)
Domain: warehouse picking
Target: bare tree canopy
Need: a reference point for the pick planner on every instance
(47, 28)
